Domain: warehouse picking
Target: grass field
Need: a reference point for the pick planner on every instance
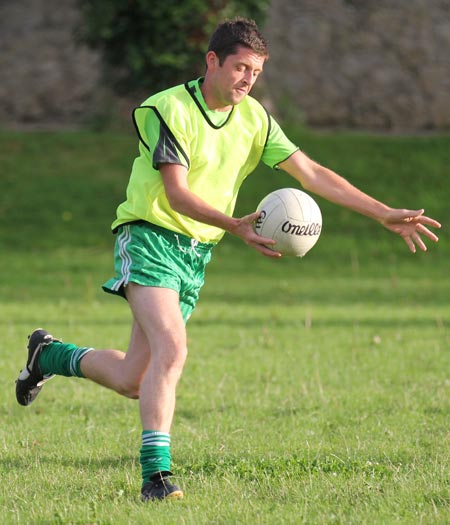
(316, 390)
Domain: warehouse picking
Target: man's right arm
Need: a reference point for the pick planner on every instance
(184, 201)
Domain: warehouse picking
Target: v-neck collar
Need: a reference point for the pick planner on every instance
(211, 116)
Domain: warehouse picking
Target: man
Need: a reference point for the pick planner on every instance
(198, 142)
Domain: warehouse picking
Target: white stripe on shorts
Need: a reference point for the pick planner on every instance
(123, 238)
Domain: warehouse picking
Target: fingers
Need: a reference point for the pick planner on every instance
(411, 225)
(415, 239)
(428, 221)
(267, 251)
(259, 243)
(251, 217)
(410, 243)
(422, 219)
(263, 240)
(263, 245)
(418, 241)
(406, 215)
(423, 229)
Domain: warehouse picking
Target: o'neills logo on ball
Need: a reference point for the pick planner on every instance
(312, 229)
(260, 219)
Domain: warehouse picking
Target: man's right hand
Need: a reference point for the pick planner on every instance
(244, 228)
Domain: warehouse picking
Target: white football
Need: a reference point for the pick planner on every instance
(291, 218)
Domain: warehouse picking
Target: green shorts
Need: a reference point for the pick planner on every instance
(150, 255)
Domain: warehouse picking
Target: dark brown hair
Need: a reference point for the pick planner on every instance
(231, 34)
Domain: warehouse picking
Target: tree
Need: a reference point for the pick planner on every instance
(153, 44)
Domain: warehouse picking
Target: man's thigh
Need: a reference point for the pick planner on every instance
(157, 312)
(154, 257)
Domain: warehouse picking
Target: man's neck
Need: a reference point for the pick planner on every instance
(210, 100)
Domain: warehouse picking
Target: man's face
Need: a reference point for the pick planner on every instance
(233, 80)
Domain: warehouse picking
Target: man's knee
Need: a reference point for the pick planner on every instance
(170, 357)
(174, 359)
(129, 388)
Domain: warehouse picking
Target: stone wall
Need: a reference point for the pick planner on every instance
(47, 79)
(376, 64)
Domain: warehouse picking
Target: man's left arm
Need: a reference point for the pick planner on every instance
(409, 224)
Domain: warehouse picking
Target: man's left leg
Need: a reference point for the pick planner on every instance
(47, 357)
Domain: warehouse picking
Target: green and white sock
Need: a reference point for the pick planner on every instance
(155, 453)
(62, 359)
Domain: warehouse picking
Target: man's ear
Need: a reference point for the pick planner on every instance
(212, 60)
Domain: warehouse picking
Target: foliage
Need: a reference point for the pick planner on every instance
(157, 44)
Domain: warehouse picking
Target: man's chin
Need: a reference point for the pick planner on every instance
(238, 97)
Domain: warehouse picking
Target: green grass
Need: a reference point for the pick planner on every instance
(316, 390)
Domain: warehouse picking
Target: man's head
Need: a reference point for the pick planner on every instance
(231, 34)
(235, 58)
